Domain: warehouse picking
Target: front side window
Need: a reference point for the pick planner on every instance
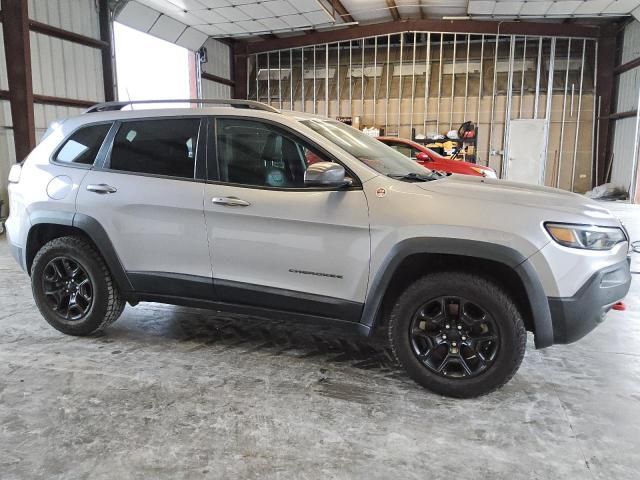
(157, 147)
(256, 153)
(82, 147)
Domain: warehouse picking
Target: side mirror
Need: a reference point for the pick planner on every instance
(326, 174)
(423, 157)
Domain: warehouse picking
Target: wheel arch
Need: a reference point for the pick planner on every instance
(46, 226)
(415, 257)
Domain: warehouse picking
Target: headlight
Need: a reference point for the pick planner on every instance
(586, 237)
(485, 172)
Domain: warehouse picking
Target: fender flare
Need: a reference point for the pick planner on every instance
(94, 230)
(538, 302)
(98, 235)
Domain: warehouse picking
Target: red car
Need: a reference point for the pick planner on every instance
(433, 161)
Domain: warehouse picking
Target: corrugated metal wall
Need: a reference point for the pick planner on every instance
(624, 130)
(219, 64)
(59, 68)
(7, 152)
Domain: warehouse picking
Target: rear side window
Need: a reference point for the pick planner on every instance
(157, 147)
(82, 147)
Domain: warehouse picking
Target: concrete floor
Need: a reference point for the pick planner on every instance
(171, 392)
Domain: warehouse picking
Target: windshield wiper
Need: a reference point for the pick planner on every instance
(416, 177)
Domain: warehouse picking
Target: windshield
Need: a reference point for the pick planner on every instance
(382, 158)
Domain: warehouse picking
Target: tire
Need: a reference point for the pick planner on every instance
(490, 325)
(52, 263)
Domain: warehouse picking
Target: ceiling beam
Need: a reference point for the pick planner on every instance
(393, 10)
(342, 11)
(446, 26)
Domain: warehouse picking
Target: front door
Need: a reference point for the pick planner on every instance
(274, 242)
(148, 200)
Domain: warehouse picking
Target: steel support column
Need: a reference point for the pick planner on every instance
(604, 91)
(239, 71)
(18, 52)
(106, 35)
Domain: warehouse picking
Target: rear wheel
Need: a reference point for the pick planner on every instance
(73, 287)
(457, 334)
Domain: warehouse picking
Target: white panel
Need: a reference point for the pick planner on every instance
(631, 42)
(442, 8)
(213, 3)
(138, 16)
(192, 39)
(274, 24)
(167, 29)
(623, 7)
(627, 88)
(535, 8)
(304, 6)
(277, 7)
(7, 151)
(507, 8)
(215, 90)
(193, 4)
(367, 10)
(219, 56)
(4, 83)
(295, 21)
(593, 7)
(256, 10)
(66, 69)
(233, 13)
(251, 26)
(481, 7)
(623, 137)
(318, 17)
(210, 16)
(78, 16)
(564, 8)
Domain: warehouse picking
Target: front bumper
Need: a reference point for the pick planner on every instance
(574, 317)
(16, 252)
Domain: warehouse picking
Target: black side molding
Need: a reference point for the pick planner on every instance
(292, 301)
(468, 248)
(172, 284)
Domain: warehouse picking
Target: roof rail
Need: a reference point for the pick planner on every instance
(113, 106)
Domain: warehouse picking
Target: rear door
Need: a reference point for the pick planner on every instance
(147, 194)
(274, 242)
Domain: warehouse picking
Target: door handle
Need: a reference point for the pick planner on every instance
(230, 202)
(101, 188)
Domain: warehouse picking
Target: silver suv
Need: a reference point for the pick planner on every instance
(241, 207)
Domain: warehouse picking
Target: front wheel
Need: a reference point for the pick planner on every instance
(457, 334)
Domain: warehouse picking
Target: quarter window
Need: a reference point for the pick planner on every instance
(157, 147)
(256, 153)
(82, 147)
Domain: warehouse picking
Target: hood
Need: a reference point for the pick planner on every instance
(515, 193)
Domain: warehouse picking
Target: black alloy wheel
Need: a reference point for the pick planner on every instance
(73, 288)
(457, 333)
(67, 288)
(454, 337)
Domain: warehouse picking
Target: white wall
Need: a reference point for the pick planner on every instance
(219, 56)
(627, 88)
